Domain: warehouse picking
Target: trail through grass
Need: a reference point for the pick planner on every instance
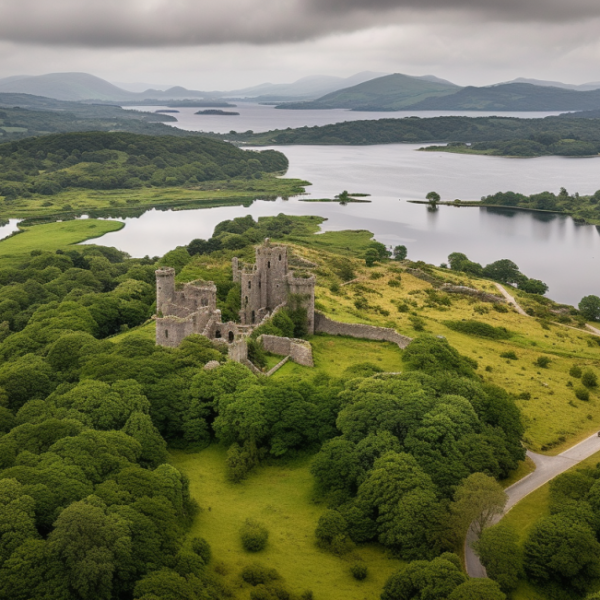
(280, 497)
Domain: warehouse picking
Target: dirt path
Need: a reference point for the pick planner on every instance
(546, 469)
(510, 300)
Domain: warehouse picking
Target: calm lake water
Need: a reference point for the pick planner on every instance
(550, 248)
(258, 117)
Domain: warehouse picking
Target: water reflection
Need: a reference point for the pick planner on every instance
(546, 246)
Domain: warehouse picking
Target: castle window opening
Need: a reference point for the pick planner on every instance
(231, 336)
(204, 301)
(253, 317)
(269, 265)
(249, 285)
(280, 257)
(167, 333)
(246, 300)
(217, 334)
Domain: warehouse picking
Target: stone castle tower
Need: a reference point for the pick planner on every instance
(192, 309)
(268, 284)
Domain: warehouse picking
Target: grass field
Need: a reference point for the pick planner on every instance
(219, 192)
(51, 237)
(334, 354)
(554, 418)
(280, 497)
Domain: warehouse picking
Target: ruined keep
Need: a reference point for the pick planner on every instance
(268, 284)
(191, 309)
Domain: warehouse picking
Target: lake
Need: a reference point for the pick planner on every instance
(259, 117)
(547, 247)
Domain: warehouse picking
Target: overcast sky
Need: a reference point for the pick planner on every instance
(224, 44)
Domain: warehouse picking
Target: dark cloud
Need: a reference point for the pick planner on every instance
(510, 10)
(160, 23)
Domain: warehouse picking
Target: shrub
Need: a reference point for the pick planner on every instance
(524, 396)
(394, 283)
(582, 394)
(542, 362)
(240, 461)
(332, 533)
(361, 303)
(376, 275)
(589, 379)
(335, 288)
(479, 329)
(254, 536)
(255, 574)
(502, 308)
(417, 323)
(575, 371)
(510, 355)
(359, 571)
(202, 548)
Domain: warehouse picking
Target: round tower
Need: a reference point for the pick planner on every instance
(165, 287)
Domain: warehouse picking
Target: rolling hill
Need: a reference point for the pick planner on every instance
(513, 96)
(391, 92)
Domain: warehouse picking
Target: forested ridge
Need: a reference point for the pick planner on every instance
(543, 132)
(105, 161)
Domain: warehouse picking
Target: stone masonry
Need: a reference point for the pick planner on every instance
(266, 287)
(268, 284)
(191, 309)
(358, 330)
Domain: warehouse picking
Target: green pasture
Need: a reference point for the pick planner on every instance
(280, 496)
(51, 237)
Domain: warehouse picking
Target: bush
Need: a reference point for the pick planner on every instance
(542, 362)
(582, 394)
(255, 574)
(478, 328)
(575, 371)
(202, 548)
(332, 533)
(359, 571)
(417, 323)
(589, 379)
(254, 536)
(510, 355)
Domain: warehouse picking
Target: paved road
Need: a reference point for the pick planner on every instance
(510, 299)
(546, 469)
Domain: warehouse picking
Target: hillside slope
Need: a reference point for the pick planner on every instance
(513, 96)
(392, 92)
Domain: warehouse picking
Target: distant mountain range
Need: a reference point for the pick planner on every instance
(363, 91)
(401, 92)
(391, 92)
(584, 87)
(76, 87)
(307, 88)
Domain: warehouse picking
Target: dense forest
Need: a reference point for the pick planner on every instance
(584, 209)
(568, 136)
(89, 507)
(23, 115)
(106, 161)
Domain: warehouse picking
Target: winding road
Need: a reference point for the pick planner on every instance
(546, 469)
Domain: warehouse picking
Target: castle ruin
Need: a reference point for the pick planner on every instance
(267, 286)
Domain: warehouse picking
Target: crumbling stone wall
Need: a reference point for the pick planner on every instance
(357, 330)
(300, 351)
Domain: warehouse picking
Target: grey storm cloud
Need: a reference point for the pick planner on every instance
(156, 23)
